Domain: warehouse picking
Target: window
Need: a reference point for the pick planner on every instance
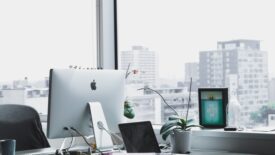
(169, 42)
(36, 35)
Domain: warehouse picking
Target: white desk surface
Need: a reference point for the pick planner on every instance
(37, 152)
(50, 151)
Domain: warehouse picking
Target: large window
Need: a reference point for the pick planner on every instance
(217, 43)
(36, 35)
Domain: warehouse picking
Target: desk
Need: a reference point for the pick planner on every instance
(192, 153)
(45, 151)
(51, 151)
(252, 142)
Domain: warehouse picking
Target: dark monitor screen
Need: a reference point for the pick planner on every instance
(139, 137)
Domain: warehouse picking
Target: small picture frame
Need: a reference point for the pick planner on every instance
(212, 107)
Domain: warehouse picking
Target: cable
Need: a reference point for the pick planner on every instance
(86, 141)
(81, 136)
(61, 150)
(100, 125)
(72, 137)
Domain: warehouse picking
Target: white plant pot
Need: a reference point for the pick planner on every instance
(181, 141)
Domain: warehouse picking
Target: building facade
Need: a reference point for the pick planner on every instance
(241, 66)
(143, 60)
(192, 71)
(149, 105)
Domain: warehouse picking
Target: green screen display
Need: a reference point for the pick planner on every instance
(212, 108)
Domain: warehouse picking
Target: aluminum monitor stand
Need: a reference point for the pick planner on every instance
(102, 138)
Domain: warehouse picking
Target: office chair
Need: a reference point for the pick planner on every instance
(22, 123)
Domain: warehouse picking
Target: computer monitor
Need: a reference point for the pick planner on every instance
(70, 91)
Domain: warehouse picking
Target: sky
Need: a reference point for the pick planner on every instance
(178, 29)
(36, 35)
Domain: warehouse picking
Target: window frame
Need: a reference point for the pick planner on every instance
(107, 34)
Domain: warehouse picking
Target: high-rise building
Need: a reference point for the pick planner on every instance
(240, 65)
(211, 69)
(143, 60)
(192, 71)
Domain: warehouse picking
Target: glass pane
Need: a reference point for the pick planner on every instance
(217, 43)
(36, 35)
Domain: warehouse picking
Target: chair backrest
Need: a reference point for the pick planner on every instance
(22, 123)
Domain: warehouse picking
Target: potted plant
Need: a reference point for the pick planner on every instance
(180, 134)
(177, 127)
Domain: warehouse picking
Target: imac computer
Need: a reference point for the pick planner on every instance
(70, 91)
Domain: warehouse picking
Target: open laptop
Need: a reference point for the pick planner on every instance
(139, 137)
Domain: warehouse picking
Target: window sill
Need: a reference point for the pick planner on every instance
(233, 141)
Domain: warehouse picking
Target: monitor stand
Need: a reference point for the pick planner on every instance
(102, 138)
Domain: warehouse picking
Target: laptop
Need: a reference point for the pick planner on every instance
(139, 137)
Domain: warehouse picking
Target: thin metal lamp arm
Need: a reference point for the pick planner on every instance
(161, 98)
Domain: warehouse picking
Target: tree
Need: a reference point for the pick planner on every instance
(261, 115)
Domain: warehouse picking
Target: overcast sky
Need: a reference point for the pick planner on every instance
(36, 35)
(178, 29)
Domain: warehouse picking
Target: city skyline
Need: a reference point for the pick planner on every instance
(182, 79)
(37, 77)
(240, 65)
(216, 68)
(180, 29)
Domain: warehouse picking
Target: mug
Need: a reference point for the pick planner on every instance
(7, 147)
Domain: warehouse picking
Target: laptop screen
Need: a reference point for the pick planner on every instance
(139, 137)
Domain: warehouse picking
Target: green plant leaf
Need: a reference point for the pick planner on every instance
(182, 123)
(173, 117)
(168, 132)
(168, 125)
